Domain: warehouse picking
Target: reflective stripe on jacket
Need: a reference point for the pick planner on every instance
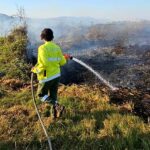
(50, 58)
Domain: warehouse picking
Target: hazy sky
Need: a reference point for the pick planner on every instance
(103, 9)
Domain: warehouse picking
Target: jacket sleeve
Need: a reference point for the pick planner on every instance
(42, 61)
(62, 59)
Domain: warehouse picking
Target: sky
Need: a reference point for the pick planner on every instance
(101, 9)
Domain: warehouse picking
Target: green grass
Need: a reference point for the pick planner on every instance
(90, 122)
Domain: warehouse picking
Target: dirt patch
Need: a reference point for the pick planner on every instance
(138, 98)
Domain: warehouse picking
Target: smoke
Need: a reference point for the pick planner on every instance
(118, 50)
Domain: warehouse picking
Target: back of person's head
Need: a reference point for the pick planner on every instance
(47, 34)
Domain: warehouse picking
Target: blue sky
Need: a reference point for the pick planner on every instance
(103, 9)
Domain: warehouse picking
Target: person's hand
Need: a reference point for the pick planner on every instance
(33, 69)
(67, 56)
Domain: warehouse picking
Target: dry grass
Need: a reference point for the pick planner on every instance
(90, 122)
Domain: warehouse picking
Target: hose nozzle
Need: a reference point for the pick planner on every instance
(67, 56)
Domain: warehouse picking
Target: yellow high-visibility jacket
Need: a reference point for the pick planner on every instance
(50, 58)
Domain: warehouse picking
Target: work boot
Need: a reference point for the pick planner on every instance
(58, 110)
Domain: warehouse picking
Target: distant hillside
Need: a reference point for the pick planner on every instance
(7, 22)
(4, 17)
(75, 31)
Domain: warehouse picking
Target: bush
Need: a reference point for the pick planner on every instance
(13, 55)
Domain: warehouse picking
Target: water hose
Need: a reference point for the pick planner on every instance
(37, 111)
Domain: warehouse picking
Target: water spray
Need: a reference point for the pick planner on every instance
(95, 73)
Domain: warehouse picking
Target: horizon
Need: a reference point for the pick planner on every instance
(99, 9)
(99, 19)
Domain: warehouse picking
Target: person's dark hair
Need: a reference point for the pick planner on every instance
(47, 34)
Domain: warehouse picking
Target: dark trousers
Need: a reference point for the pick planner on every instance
(48, 91)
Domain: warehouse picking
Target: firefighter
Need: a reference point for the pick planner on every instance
(50, 59)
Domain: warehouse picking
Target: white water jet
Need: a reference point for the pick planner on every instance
(95, 73)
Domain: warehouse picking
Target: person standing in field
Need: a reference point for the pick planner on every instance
(50, 59)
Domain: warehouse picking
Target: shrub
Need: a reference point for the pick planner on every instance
(13, 54)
